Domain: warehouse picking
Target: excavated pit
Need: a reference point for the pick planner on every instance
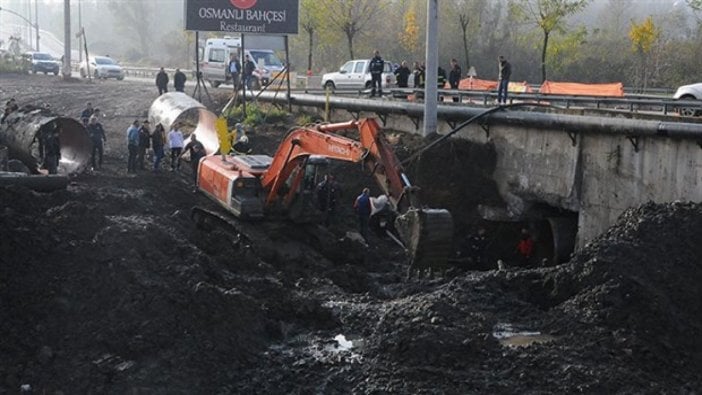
(108, 287)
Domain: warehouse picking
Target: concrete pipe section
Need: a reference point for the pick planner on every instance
(177, 107)
(20, 133)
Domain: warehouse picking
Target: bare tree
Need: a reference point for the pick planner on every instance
(547, 15)
(351, 17)
(131, 20)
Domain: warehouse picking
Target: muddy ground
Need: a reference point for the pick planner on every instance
(109, 288)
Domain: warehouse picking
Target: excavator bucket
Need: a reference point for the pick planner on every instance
(428, 237)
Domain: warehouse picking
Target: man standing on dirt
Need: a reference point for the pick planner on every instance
(362, 205)
(158, 140)
(328, 194)
(132, 146)
(85, 115)
(144, 144)
(97, 136)
(525, 248)
(179, 80)
(162, 82)
(197, 152)
(175, 141)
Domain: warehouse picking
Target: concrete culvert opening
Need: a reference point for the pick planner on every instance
(21, 133)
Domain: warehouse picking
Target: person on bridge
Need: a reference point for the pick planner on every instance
(454, 78)
(402, 74)
(505, 72)
(97, 136)
(377, 65)
(179, 79)
(132, 146)
(162, 82)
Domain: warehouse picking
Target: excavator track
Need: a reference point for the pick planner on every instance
(428, 234)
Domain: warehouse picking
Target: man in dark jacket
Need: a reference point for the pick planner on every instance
(505, 71)
(162, 82)
(376, 67)
(455, 74)
(402, 74)
(197, 152)
(144, 143)
(362, 205)
(249, 68)
(97, 136)
(179, 80)
(234, 70)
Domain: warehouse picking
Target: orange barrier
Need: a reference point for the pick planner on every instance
(574, 88)
(475, 84)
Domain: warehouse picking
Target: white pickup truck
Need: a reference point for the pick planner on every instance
(355, 74)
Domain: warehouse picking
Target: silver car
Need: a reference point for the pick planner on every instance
(102, 67)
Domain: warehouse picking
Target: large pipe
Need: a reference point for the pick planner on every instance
(38, 183)
(19, 132)
(176, 107)
(534, 119)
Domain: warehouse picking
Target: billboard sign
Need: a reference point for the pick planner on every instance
(242, 16)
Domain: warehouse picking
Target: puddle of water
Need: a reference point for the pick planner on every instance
(343, 344)
(508, 336)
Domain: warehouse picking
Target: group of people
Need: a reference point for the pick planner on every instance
(140, 138)
(476, 246)
(403, 73)
(241, 77)
(162, 80)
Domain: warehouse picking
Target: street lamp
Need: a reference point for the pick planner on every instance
(34, 25)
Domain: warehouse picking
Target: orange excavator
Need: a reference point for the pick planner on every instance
(258, 186)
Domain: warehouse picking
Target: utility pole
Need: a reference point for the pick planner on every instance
(36, 21)
(80, 37)
(66, 39)
(430, 74)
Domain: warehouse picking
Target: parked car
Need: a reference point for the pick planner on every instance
(101, 67)
(41, 62)
(355, 74)
(689, 92)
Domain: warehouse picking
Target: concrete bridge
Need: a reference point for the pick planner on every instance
(577, 169)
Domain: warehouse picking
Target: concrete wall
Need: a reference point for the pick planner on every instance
(599, 176)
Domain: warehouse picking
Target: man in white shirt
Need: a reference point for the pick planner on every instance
(175, 141)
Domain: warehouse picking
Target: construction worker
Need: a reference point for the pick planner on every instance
(362, 205)
(328, 194)
(525, 248)
(197, 152)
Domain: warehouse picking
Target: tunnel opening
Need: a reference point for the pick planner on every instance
(22, 131)
(553, 232)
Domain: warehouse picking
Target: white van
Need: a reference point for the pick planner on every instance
(214, 60)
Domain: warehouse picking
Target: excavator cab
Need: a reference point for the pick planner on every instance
(303, 206)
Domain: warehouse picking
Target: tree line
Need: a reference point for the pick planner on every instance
(558, 40)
